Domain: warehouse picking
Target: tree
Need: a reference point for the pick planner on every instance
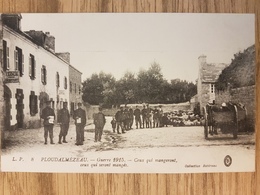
(99, 89)
(126, 89)
(149, 84)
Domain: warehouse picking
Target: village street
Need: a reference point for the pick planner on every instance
(29, 143)
(31, 140)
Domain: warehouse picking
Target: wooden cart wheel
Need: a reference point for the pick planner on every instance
(206, 125)
(235, 130)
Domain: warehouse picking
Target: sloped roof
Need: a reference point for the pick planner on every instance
(210, 72)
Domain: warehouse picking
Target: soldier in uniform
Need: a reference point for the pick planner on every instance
(64, 120)
(144, 116)
(137, 114)
(126, 118)
(119, 120)
(160, 115)
(131, 117)
(156, 116)
(149, 116)
(48, 116)
(80, 122)
(99, 122)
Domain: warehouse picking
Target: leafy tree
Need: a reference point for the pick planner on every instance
(149, 86)
(99, 89)
(126, 88)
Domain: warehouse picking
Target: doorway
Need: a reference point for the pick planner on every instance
(19, 107)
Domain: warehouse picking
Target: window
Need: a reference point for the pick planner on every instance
(33, 104)
(32, 67)
(79, 90)
(44, 75)
(65, 83)
(70, 87)
(57, 79)
(5, 56)
(212, 88)
(19, 60)
(75, 88)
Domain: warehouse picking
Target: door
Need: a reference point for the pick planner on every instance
(19, 107)
(7, 114)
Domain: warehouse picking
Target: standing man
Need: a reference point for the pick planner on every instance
(137, 114)
(144, 115)
(99, 122)
(48, 116)
(119, 120)
(131, 117)
(64, 120)
(80, 122)
(126, 118)
(156, 117)
(160, 115)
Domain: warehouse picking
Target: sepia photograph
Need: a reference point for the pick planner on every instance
(127, 92)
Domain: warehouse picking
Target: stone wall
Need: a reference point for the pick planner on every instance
(204, 96)
(222, 96)
(243, 95)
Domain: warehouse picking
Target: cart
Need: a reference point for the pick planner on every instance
(229, 118)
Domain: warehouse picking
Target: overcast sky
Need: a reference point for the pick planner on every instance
(116, 43)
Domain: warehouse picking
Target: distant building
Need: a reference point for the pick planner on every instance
(75, 95)
(33, 73)
(208, 75)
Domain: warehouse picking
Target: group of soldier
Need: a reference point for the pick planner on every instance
(144, 118)
(63, 119)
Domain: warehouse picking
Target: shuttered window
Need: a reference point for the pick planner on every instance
(57, 80)
(44, 75)
(19, 60)
(32, 67)
(5, 56)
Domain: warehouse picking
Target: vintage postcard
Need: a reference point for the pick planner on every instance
(127, 93)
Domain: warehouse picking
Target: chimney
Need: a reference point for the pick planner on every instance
(65, 56)
(49, 42)
(12, 20)
(202, 59)
(43, 39)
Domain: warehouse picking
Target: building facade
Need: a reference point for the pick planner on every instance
(34, 74)
(208, 75)
(75, 95)
(2, 102)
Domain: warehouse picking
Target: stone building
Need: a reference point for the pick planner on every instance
(208, 75)
(33, 72)
(2, 104)
(75, 95)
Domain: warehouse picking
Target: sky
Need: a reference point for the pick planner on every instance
(121, 42)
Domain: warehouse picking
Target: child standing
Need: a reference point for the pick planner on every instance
(113, 123)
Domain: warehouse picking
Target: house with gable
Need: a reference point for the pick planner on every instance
(208, 75)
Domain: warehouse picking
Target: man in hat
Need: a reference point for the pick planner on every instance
(137, 114)
(119, 120)
(99, 121)
(64, 120)
(80, 122)
(48, 116)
